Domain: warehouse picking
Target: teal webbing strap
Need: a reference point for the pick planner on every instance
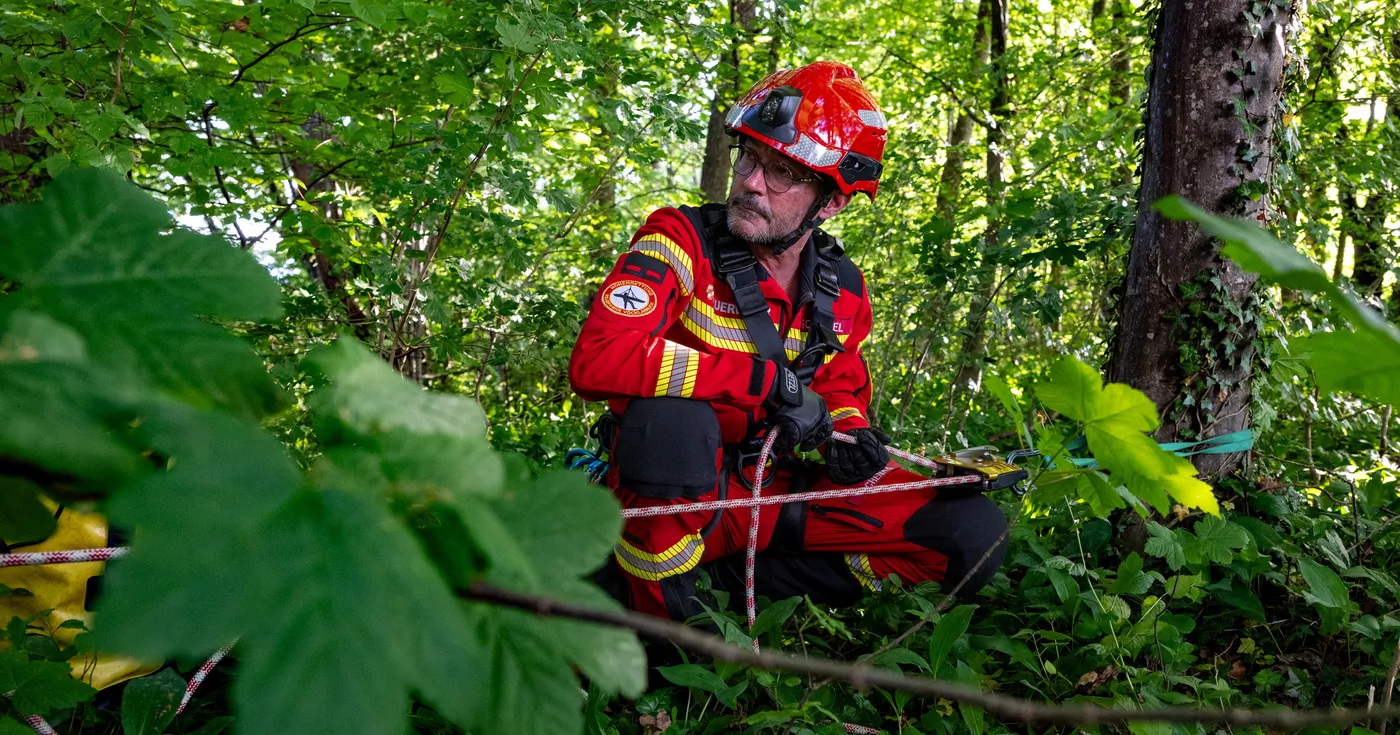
(1239, 441)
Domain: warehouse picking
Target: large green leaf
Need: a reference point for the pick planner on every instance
(949, 629)
(1332, 355)
(182, 590)
(104, 259)
(1217, 540)
(1324, 586)
(416, 440)
(347, 613)
(40, 687)
(1116, 421)
(149, 703)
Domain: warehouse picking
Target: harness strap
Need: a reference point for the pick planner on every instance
(731, 259)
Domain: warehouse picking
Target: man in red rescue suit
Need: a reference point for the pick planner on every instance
(725, 321)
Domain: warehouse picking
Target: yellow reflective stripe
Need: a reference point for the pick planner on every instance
(679, 366)
(718, 320)
(663, 374)
(682, 557)
(844, 413)
(859, 565)
(666, 249)
(723, 338)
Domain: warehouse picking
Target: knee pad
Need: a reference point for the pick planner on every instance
(962, 529)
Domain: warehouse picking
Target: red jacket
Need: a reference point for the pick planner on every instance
(663, 324)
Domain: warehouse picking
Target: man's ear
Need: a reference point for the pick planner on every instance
(838, 202)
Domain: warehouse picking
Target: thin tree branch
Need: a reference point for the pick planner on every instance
(121, 52)
(862, 676)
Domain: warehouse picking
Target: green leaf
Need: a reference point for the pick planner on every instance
(565, 525)
(354, 618)
(972, 716)
(1130, 579)
(40, 687)
(370, 11)
(949, 629)
(1002, 391)
(419, 441)
(1259, 252)
(1095, 490)
(530, 686)
(13, 727)
(196, 528)
(774, 616)
(102, 257)
(1332, 356)
(1184, 585)
(1216, 540)
(1237, 594)
(892, 658)
(148, 703)
(1324, 586)
(23, 517)
(698, 677)
(516, 36)
(612, 658)
(1116, 420)
(1165, 545)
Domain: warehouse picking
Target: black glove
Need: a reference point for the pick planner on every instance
(852, 464)
(797, 413)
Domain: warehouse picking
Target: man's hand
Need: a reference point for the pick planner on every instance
(852, 464)
(797, 413)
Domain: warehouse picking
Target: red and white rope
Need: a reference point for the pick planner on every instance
(845, 492)
(202, 674)
(34, 558)
(752, 553)
(753, 503)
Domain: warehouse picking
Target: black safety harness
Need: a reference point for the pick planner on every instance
(732, 260)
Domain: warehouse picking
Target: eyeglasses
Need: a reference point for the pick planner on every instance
(778, 176)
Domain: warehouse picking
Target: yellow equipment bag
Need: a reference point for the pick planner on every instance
(66, 590)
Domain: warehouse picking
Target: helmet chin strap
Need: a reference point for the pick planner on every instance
(809, 223)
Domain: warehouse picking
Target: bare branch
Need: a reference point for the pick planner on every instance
(862, 676)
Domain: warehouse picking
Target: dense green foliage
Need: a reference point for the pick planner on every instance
(443, 185)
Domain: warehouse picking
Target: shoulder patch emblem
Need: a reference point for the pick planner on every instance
(629, 298)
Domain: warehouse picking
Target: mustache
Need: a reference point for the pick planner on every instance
(751, 203)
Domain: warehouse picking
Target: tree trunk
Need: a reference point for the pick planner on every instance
(1196, 146)
(950, 182)
(714, 170)
(318, 265)
(969, 376)
(1120, 72)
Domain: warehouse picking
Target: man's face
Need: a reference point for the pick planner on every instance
(763, 216)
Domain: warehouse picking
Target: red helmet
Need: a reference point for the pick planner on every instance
(821, 116)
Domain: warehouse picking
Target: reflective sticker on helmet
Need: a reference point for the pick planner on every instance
(629, 298)
(812, 153)
(735, 113)
(873, 118)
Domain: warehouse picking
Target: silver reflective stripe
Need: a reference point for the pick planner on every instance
(873, 118)
(867, 579)
(705, 323)
(813, 153)
(680, 364)
(694, 547)
(661, 252)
